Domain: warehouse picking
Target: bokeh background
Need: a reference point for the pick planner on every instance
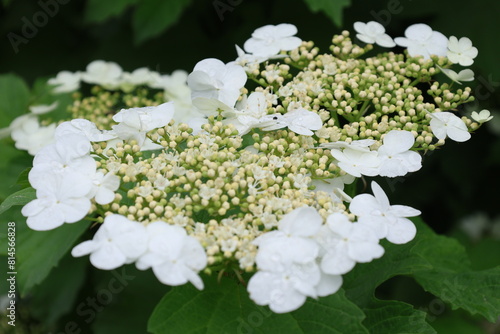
(456, 190)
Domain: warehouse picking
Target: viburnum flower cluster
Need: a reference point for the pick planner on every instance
(227, 175)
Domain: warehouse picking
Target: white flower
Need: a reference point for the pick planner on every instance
(43, 108)
(344, 244)
(286, 290)
(388, 221)
(463, 75)
(269, 40)
(106, 74)
(175, 257)
(134, 123)
(303, 121)
(373, 32)
(60, 199)
(355, 161)
(83, 127)
(65, 82)
(300, 121)
(213, 79)
(334, 187)
(461, 51)
(247, 58)
(395, 156)
(30, 135)
(249, 111)
(482, 117)
(292, 242)
(445, 124)
(358, 145)
(140, 76)
(69, 155)
(104, 187)
(117, 242)
(421, 40)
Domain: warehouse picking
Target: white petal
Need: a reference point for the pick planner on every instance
(402, 231)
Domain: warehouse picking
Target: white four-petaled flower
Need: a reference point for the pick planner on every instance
(373, 32)
(395, 156)
(445, 124)
(134, 123)
(481, 117)
(269, 40)
(421, 40)
(343, 244)
(461, 51)
(175, 257)
(213, 79)
(117, 242)
(388, 221)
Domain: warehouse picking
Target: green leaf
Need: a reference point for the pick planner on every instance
(332, 8)
(38, 252)
(56, 295)
(14, 98)
(478, 292)
(394, 317)
(439, 264)
(225, 307)
(152, 17)
(458, 323)
(99, 11)
(137, 296)
(23, 180)
(20, 197)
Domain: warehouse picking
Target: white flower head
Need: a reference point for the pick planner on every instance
(269, 40)
(213, 79)
(300, 121)
(140, 76)
(83, 127)
(134, 123)
(461, 51)
(247, 60)
(482, 117)
(388, 221)
(175, 257)
(445, 124)
(373, 32)
(117, 242)
(421, 40)
(395, 156)
(286, 290)
(345, 243)
(60, 199)
(104, 187)
(463, 75)
(65, 82)
(291, 243)
(355, 160)
(106, 74)
(30, 135)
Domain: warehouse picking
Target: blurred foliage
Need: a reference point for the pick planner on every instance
(460, 179)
